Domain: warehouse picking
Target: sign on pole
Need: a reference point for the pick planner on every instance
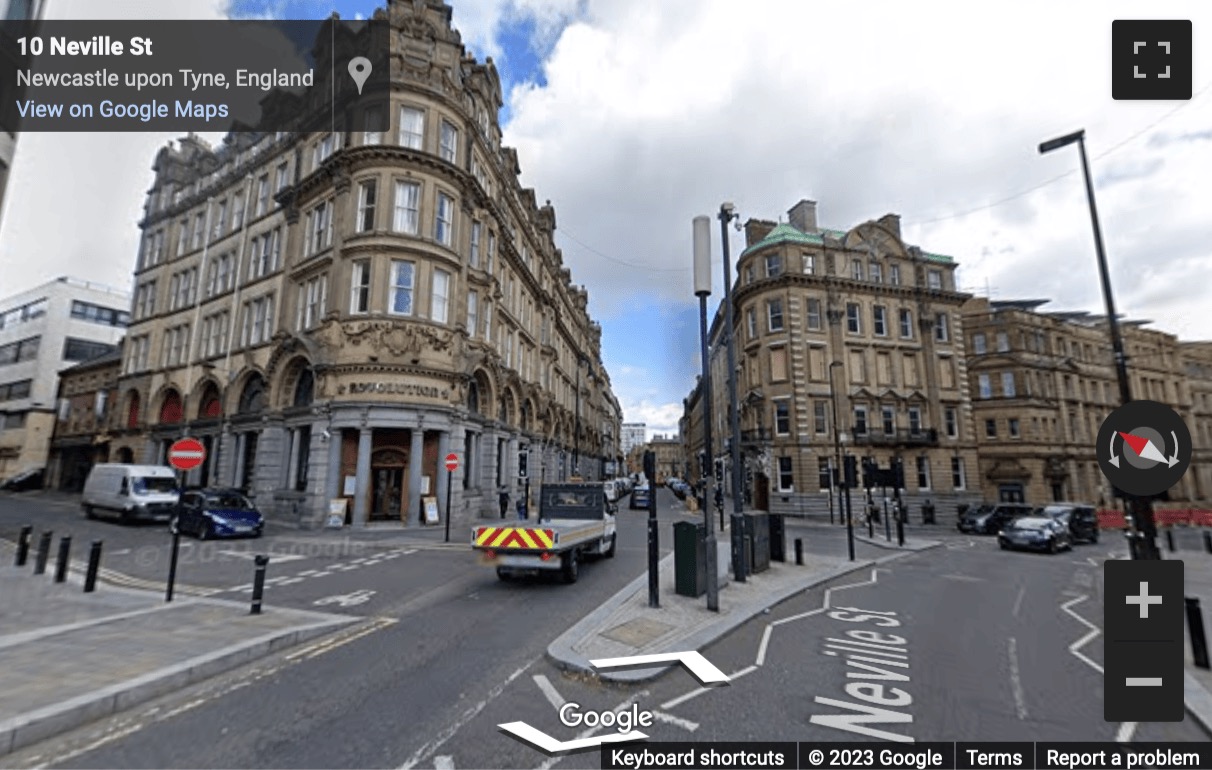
(186, 454)
(452, 462)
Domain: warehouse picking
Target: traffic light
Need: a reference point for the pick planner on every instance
(898, 473)
(523, 454)
(870, 468)
(850, 475)
(650, 466)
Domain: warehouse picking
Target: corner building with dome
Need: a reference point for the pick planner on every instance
(332, 314)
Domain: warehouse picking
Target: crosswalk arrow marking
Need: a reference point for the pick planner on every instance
(701, 668)
(550, 746)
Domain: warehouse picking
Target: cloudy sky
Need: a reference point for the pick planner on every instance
(633, 116)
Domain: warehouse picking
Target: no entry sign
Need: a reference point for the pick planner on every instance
(186, 454)
(452, 462)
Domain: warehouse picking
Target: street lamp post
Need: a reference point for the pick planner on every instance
(838, 473)
(702, 289)
(727, 214)
(1141, 508)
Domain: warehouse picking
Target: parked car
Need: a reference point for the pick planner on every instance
(1079, 518)
(24, 481)
(207, 513)
(640, 496)
(130, 491)
(1035, 533)
(989, 518)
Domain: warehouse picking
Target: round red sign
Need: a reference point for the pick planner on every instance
(452, 462)
(186, 454)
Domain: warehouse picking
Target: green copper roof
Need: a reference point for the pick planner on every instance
(785, 233)
(937, 257)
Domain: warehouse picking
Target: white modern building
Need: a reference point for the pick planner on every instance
(13, 10)
(42, 331)
(634, 435)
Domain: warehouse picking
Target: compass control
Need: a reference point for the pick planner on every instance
(1144, 448)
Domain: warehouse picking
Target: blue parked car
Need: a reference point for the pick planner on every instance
(207, 513)
(639, 497)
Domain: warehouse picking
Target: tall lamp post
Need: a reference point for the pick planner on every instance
(838, 472)
(702, 289)
(1141, 508)
(727, 214)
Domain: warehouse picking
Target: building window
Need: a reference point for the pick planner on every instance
(774, 314)
(74, 349)
(934, 280)
(951, 422)
(474, 256)
(312, 297)
(199, 230)
(853, 322)
(774, 265)
(366, 206)
(778, 364)
(439, 299)
(991, 428)
(1008, 384)
(958, 479)
(906, 323)
(449, 142)
(984, 386)
(1013, 427)
(941, 331)
(888, 415)
(978, 344)
(809, 263)
(856, 269)
(1003, 342)
(490, 252)
(785, 477)
(372, 117)
(814, 314)
(915, 420)
(782, 417)
(824, 472)
(281, 177)
(820, 417)
(877, 272)
(323, 150)
(412, 128)
(401, 286)
(894, 274)
(751, 323)
(87, 311)
(11, 391)
(258, 320)
(407, 214)
(359, 287)
(748, 274)
(220, 220)
(923, 473)
(237, 213)
(22, 350)
(880, 320)
(860, 421)
(443, 228)
(473, 312)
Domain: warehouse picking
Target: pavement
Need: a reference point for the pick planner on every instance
(626, 626)
(71, 658)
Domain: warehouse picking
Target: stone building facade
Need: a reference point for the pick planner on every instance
(333, 314)
(854, 329)
(83, 427)
(1042, 383)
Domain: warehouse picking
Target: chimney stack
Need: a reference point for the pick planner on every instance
(802, 216)
(892, 222)
(756, 230)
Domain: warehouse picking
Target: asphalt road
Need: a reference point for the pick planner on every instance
(981, 638)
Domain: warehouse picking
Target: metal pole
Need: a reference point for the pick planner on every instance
(830, 466)
(799, 551)
(1195, 624)
(887, 523)
(654, 582)
(726, 215)
(870, 514)
(713, 599)
(65, 550)
(44, 544)
(261, 562)
(849, 517)
(94, 563)
(23, 545)
(449, 477)
(172, 566)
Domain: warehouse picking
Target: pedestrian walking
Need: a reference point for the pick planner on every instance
(504, 499)
(522, 513)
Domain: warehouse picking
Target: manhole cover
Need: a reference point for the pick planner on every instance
(638, 632)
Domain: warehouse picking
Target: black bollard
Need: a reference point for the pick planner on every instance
(40, 558)
(258, 583)
(799, 551)
(1195, 625)
(1170, 540)
(65, 552)
(23, 545)
(900, 531)
(1208, 541)
(172, 567)
(94, 563)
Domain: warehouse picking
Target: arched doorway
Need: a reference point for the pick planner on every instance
(252, 403)
(388, 493)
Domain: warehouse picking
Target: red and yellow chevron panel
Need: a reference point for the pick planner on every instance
(514, 537)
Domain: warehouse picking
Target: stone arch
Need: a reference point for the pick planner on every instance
(210, 401)
(253, 395)
(172, 408)
(507, 407)
(480, 393)
(296, 386)
(134, 406)
(526, 415)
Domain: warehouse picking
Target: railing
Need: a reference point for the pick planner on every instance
(902, 437)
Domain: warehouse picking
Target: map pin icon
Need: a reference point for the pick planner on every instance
(359, 70)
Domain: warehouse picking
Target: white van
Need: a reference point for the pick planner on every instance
(131, 492)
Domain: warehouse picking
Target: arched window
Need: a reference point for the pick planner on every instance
(171, 408)
(473, 397)
(210, 407)
(305, 388)
(132, 410)
(252, 398)
(525, 416)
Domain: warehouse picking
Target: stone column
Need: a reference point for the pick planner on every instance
(415, 456)
(238, 466)
(361, 511)
(443, 474)
(332, 483)
(292, 468)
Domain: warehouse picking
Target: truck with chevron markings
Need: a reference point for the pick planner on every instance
(575, 522)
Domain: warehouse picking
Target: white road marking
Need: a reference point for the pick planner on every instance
(1016, 682)
(1125, 732)
(1093, 633)
(307, 572)
(761, 655)
(1018, 601)
(685, 724)
(964, 578)
(323, 573)
(443, 763)
(468, 715)
(549, 691)
(274, 558)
